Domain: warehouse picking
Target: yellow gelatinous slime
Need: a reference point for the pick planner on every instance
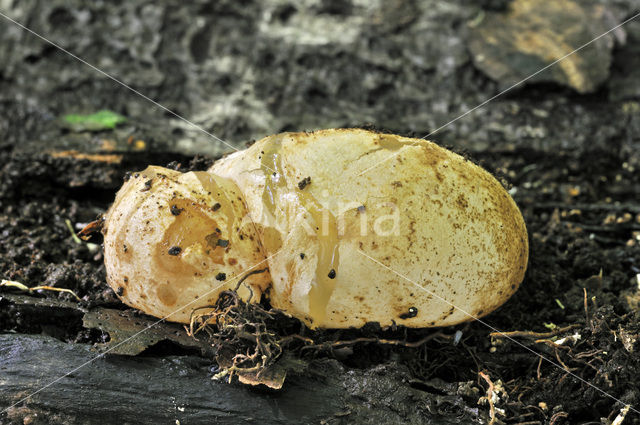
(315, 209)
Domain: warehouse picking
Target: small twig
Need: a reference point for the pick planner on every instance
(557, 416)
(560, 360)
(530, 334)
(588, 354)
(398, 342)
(75, 237)
(586, 309)
(288, 338)
(23, 287)
(551, 344)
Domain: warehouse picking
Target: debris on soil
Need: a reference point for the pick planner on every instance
(246, 341)
(511, 46)
(495, 394)
(25, 288)
(131, 333)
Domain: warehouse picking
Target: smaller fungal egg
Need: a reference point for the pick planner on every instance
(180, 241)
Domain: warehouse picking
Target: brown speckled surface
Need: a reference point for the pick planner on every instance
(458, 232)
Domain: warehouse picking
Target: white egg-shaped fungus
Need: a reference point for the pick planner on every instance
(354, 226)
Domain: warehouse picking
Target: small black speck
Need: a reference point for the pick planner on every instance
(217, 206)
(221, 276)
(302, 255)
(304, 182)
(175, 250)
(361, 209)
(275, 174)
(124, 248)
(223, 243)
(120, 290)
(332, 274)
(136, 175)
(413, 312)
(147, 185)
(175, 210)
(127, 176)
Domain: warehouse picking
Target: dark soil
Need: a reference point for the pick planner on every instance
(572, 163)
(574, 237)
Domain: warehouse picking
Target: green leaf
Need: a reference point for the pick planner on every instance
(101, 120)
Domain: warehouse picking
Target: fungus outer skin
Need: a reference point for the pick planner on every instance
(460, 237)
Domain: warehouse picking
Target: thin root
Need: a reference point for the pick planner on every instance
(23, 287)
(533, 335)
(492, 407)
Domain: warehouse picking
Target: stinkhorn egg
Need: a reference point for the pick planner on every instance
(351, 226)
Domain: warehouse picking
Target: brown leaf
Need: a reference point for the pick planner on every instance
(512, 46)
(131, 333)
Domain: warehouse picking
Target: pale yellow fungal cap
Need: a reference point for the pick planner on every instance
(453, 240)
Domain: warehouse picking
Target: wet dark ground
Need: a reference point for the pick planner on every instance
(570, 160)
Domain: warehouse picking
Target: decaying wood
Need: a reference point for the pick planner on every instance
(179, 389)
